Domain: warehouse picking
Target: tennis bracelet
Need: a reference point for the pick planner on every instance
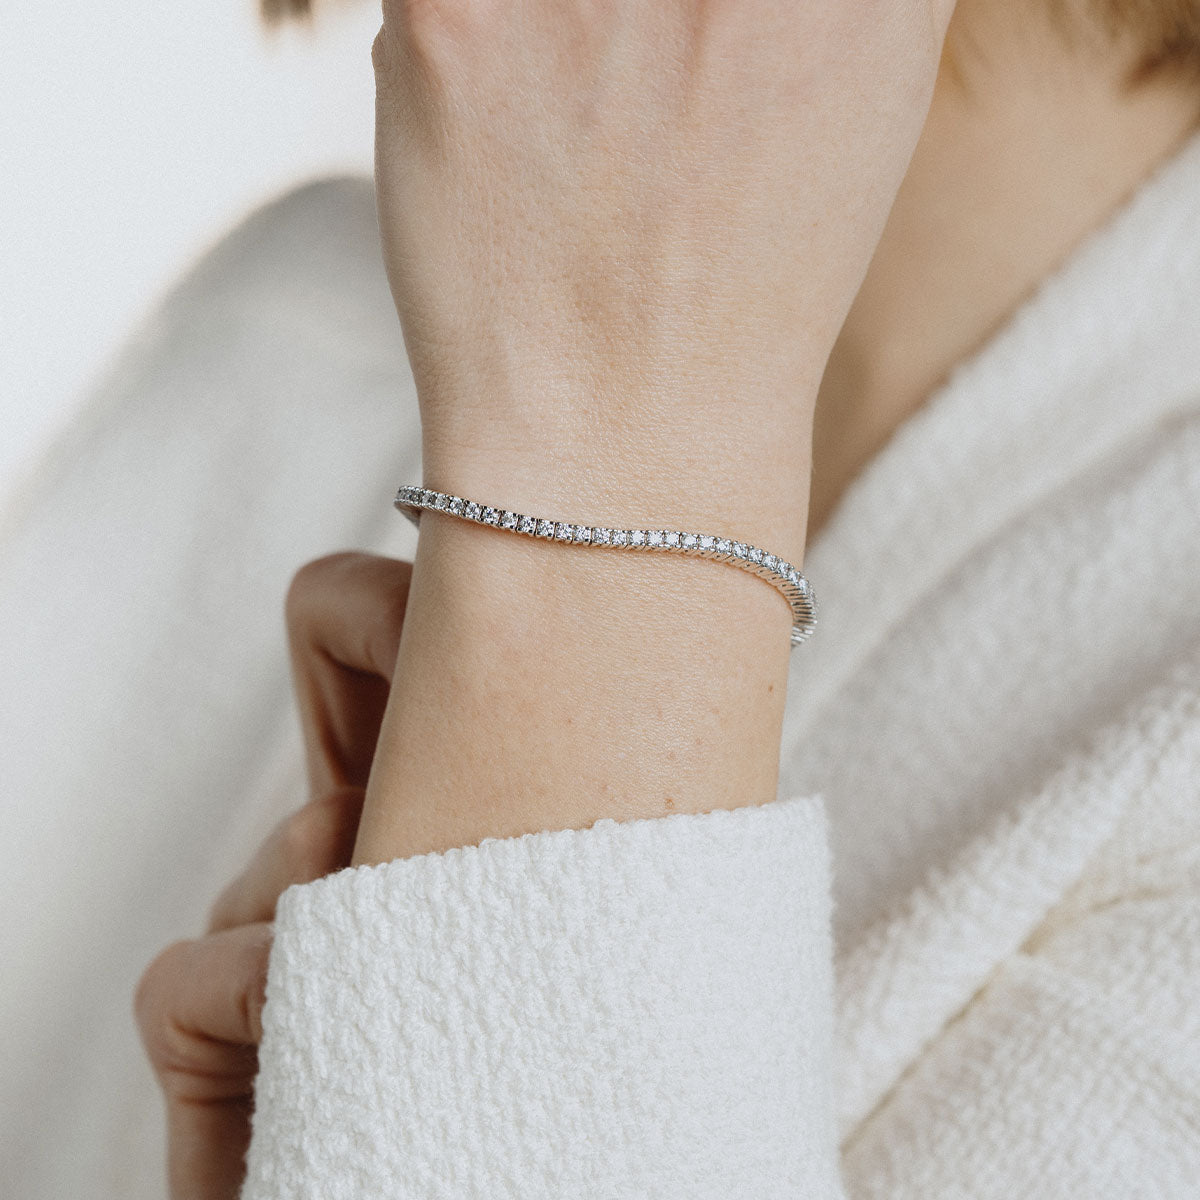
(782, 576)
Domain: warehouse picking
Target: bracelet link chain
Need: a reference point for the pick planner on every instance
(411, 500)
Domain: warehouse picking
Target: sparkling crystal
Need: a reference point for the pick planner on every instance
(527, 525)
(545, 528)
(671, 537)
(654, 537)
(769, 560)
(509, 519)
(756, 555)
(741, 550)
(793, 576)
(637, 537)
(620, 537)
(689, 541)
(440, 500)
(491, 516)
(724, 546)
(707, 541)
(583, 533)
(601, 536)
(473, 510)
(563, 533)
(456, 505)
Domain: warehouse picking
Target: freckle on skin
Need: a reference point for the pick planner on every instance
(770, 687)
(669, 802)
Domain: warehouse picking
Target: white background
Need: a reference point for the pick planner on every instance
(132, 134)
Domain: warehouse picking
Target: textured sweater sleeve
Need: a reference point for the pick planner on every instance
(641, 1008)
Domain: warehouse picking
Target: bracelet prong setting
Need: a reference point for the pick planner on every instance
(782, 575)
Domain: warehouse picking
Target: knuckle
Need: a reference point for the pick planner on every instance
(304, 835)
(438, 32)
(314, 838)
(296, 835)
(151, 984)
(310, 578)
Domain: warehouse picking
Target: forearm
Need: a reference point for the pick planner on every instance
(542, 685)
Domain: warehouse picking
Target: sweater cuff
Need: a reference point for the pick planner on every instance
(639, 1008)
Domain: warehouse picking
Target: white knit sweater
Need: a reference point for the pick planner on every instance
(959, 957)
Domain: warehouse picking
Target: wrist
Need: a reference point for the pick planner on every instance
(543, 685)
(739, 471)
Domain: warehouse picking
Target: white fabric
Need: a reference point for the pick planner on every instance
(990, 788)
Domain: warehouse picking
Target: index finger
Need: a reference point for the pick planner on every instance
(344, 613)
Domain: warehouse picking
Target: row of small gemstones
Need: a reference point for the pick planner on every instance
(599, 536)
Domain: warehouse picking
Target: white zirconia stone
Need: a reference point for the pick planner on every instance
(563, 533)
(724, 546)
(601, 536)
(756, 555)
(741, 550)
(793, 576)
(509, 519)
(620, 537)
(654, 537)
(671, 537)
(440, 500)
(690, 541)
(456, 505)
(769, 560)
(491, 516)
(637, 537)
(473, 510)
(707, 541)
(583, 533)
(526, 525)
(545, 528)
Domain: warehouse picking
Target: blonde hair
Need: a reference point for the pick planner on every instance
(275, 12)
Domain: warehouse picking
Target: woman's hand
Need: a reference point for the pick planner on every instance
(344, 613)
(198, 1004)
(622, 236)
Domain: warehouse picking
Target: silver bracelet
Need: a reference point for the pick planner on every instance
(782, 576)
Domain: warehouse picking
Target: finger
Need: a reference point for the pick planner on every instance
(344, 614)
(305, 845)
(351, 604)
(198, 1008)
(206, 1148)
(199, 1004)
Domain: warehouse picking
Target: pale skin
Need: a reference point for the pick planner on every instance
(500, 686)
